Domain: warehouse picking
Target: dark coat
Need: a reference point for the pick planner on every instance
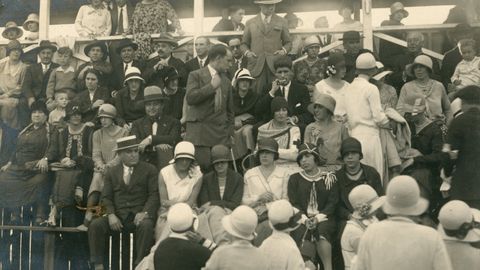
(114, 16)
(174, 105)
(105, 79)
(8, 142)
(210, 191)
(118, 75)
(205, 127)
(35, 82)
(345, 185)
(180, 254)
(141, 195)
(449, 63)
(129, 110)
(298, 100)
(155, 77)
(235, 66)
(83, 98)
(226, 25)
(464, 136)
(58, 146)
(193, 64)
(168, 132)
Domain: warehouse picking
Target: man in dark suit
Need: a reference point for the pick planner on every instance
(131, 201)
(153, 72)
(159, 133)
(236, 14)
(240, 61)
(121, 13)
(209, 117)
(126, 50)
(34, 86)
(267, 36)
(202, 44)
(295, 93)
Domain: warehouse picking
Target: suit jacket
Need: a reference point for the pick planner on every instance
(298, 100)
(234, 67)
(210, 191)
(449, 63)
(226, 25)
(168, 132)
(265, 40)
(193, 64)
(118, 75)
(83, 98)
(153, 76)
(141, 195)
(114, 16)
(35, 82)
(205, 127)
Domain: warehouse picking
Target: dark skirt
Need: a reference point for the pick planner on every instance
(22, 187)
(325, 229)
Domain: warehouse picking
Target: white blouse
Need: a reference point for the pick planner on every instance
(255, 184)
(179, 189)
(93, 21)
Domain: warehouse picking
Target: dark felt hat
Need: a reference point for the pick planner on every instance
(126, 42)
(220, 153)
(166, 38)
(351, 35)
(97, 43)
(350, 145)
(39, 105)
(73, 107)
(268, 144)
(169, 74)
(45, 44)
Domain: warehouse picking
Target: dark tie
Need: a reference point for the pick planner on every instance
(283, 91)
(126, 67)
(120, 22)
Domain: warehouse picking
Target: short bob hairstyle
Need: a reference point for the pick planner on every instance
(94, 72)
(316, 157)
(276, 156)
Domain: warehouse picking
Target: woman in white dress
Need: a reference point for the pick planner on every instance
(334, 85)
(178, 182)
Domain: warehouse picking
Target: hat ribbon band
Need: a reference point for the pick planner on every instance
(462, 232)
(191, 228)
(291, 223)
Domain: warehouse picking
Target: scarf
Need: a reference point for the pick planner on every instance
(328, 178)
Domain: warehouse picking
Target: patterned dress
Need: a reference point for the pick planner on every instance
(151, 19)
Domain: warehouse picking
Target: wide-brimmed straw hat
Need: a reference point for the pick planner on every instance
(459, 222)
(403, 197)
(241, 223)
(241, 74)
(324, 100)
(12, 26)
(381, 72)
(32, 17)
(283, 217)
(133, 73)
(365, 201)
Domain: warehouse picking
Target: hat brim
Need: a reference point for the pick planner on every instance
(164, 40)
(415, 210)
(220, 160)
(382, 74)
(267, 2)
(472, 235)
(24, 26)
(311, 107)
(132, 78)
(154, 98)
(374, 206)
(227, 225)
(409, 68)
(405, 13)
(102, 46)
(17, 29)
(51, 47)
(105, 115)
(184, 156)
(133, 45)
(125, 147)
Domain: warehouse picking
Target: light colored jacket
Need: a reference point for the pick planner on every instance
(282, 252)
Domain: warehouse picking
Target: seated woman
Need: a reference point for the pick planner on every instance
(97, 51)
(93, 20)
(71, 148)
(264, 184)
(284, 133)
(12, 74)
(366, 202)
(128, 100)
(24, 179)
(178, 182)
(244, 100)
(326, 133)
(91, 98)
(221, 192)
(104, 140)
(315, 193)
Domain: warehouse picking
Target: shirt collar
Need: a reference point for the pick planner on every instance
(269, 18)
(212, 71)
(288, 85)
(126, 168)
(69, 69)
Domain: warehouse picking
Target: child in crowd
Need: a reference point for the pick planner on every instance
(31, 25)
(467, 71)
(12, 31)
(56, 117)
(62, 77)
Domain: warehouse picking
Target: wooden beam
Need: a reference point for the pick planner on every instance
(327, 48)
(403, 43)
(367, 24)
(44, 19)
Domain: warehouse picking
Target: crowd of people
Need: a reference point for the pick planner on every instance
(247, 156)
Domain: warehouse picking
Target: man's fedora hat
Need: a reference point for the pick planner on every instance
(126, 143)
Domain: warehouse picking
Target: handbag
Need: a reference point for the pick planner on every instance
(307, 247)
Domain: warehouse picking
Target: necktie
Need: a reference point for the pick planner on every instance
(154, 128)
(128, 176)
(201, 62)
(126, 67)
(283, 91)
(120, 22)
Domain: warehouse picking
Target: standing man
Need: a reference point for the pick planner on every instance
(209, 116)
(234, 23)
(131, 199)
(463, 148)
(398, 243)
(352, 43)
(121, 12)
(267, 36)
(126, 49)
(164, 46)
(202, 44)
(158, 133)
(34, 86)
(387, 49)
(239, 60)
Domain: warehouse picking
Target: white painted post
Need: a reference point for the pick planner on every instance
(44, 18)
(198, 15)
(367, 24)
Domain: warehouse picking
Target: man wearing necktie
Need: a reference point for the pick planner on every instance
(125, 54)
(209, 116)
(202, 44)
(238, 51)
(131, 201)
(121, 12)
(266, 37)
(158, 133)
